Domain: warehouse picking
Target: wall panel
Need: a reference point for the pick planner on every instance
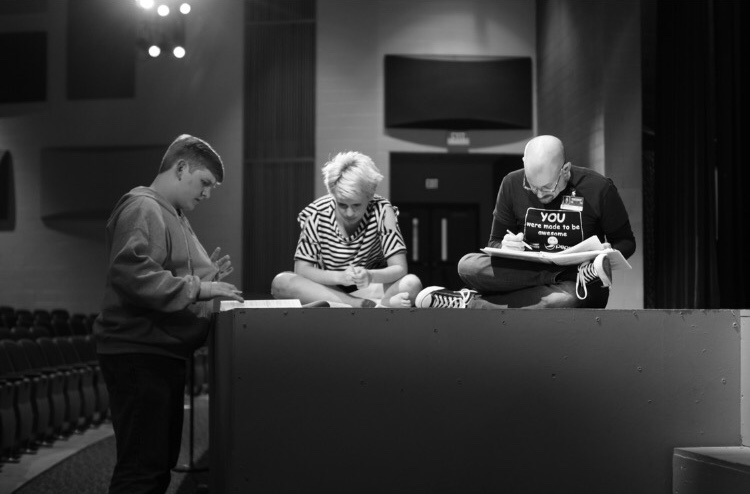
(589, 95)
(101, 49)
(274, 193)
(279, 135)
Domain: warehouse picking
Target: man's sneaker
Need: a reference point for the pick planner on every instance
(590, 271)
(436, 297)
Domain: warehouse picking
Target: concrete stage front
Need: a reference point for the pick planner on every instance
(468, 401)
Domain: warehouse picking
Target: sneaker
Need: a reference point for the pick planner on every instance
(589, 272)
(436, 297)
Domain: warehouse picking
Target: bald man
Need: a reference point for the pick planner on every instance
(549, 205)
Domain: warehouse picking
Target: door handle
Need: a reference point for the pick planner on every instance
(415, 239)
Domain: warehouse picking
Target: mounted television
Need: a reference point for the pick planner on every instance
(458, 92)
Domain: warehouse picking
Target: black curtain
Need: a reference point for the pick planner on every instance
(693, 187)
(732, 156)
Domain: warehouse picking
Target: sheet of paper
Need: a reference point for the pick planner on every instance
(259, 304)
(566, 258)
(590, 244)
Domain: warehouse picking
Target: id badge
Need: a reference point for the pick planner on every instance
(572, 203)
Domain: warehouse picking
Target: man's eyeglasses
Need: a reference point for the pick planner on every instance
(544, 190)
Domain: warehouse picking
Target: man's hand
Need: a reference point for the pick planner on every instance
(513, 241)
(224, 264)
(214, 289)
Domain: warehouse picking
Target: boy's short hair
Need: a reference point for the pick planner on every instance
(196, 152)
(351, 173)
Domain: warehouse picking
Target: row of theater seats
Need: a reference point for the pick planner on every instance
(51, 385)
(19, 324)
(49, 389)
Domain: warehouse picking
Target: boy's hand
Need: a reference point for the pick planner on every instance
(223, 264)
(214, 289)
(362, 277)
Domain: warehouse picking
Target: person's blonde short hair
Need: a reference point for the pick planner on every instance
(351, 173)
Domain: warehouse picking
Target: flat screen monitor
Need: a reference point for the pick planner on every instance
(458, 92)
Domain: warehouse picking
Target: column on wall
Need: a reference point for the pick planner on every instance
(279, 134)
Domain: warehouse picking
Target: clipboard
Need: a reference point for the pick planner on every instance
(581, 252)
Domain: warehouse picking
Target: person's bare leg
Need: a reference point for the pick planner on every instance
(291, 285)
(402, 293)
(399, 301)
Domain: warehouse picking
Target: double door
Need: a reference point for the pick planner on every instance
(437, 236)
(445, 202)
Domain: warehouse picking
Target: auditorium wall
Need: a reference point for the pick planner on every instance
(355, 35)
(64, 266)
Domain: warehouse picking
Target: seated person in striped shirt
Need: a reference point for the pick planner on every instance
(350, 244)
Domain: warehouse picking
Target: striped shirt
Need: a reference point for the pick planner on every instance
(321, 243)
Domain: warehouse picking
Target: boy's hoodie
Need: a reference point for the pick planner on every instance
(156, 264)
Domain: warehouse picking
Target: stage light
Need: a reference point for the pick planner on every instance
(146, 4)
(161, 31)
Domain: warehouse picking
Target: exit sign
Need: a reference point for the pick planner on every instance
(458, 139)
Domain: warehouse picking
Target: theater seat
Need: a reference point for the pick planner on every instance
(6, 321)
(20, 332)
(24, 318)
(8, 425)
(86, 349)
(88, 393)
(7, 316)
(74, 418)
(39, 331)
(43, 319)
(40, 399)
(6, 310)
(78, 326)
(57, 384)
(21, 398)
(41, 315)
(60, 327)
(60, 314)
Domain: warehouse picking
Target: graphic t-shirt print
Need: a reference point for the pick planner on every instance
(552, 230)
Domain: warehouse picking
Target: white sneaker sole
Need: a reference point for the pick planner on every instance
(426, 292)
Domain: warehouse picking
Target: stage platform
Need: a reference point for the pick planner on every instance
(469, 401)
(717, 470)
